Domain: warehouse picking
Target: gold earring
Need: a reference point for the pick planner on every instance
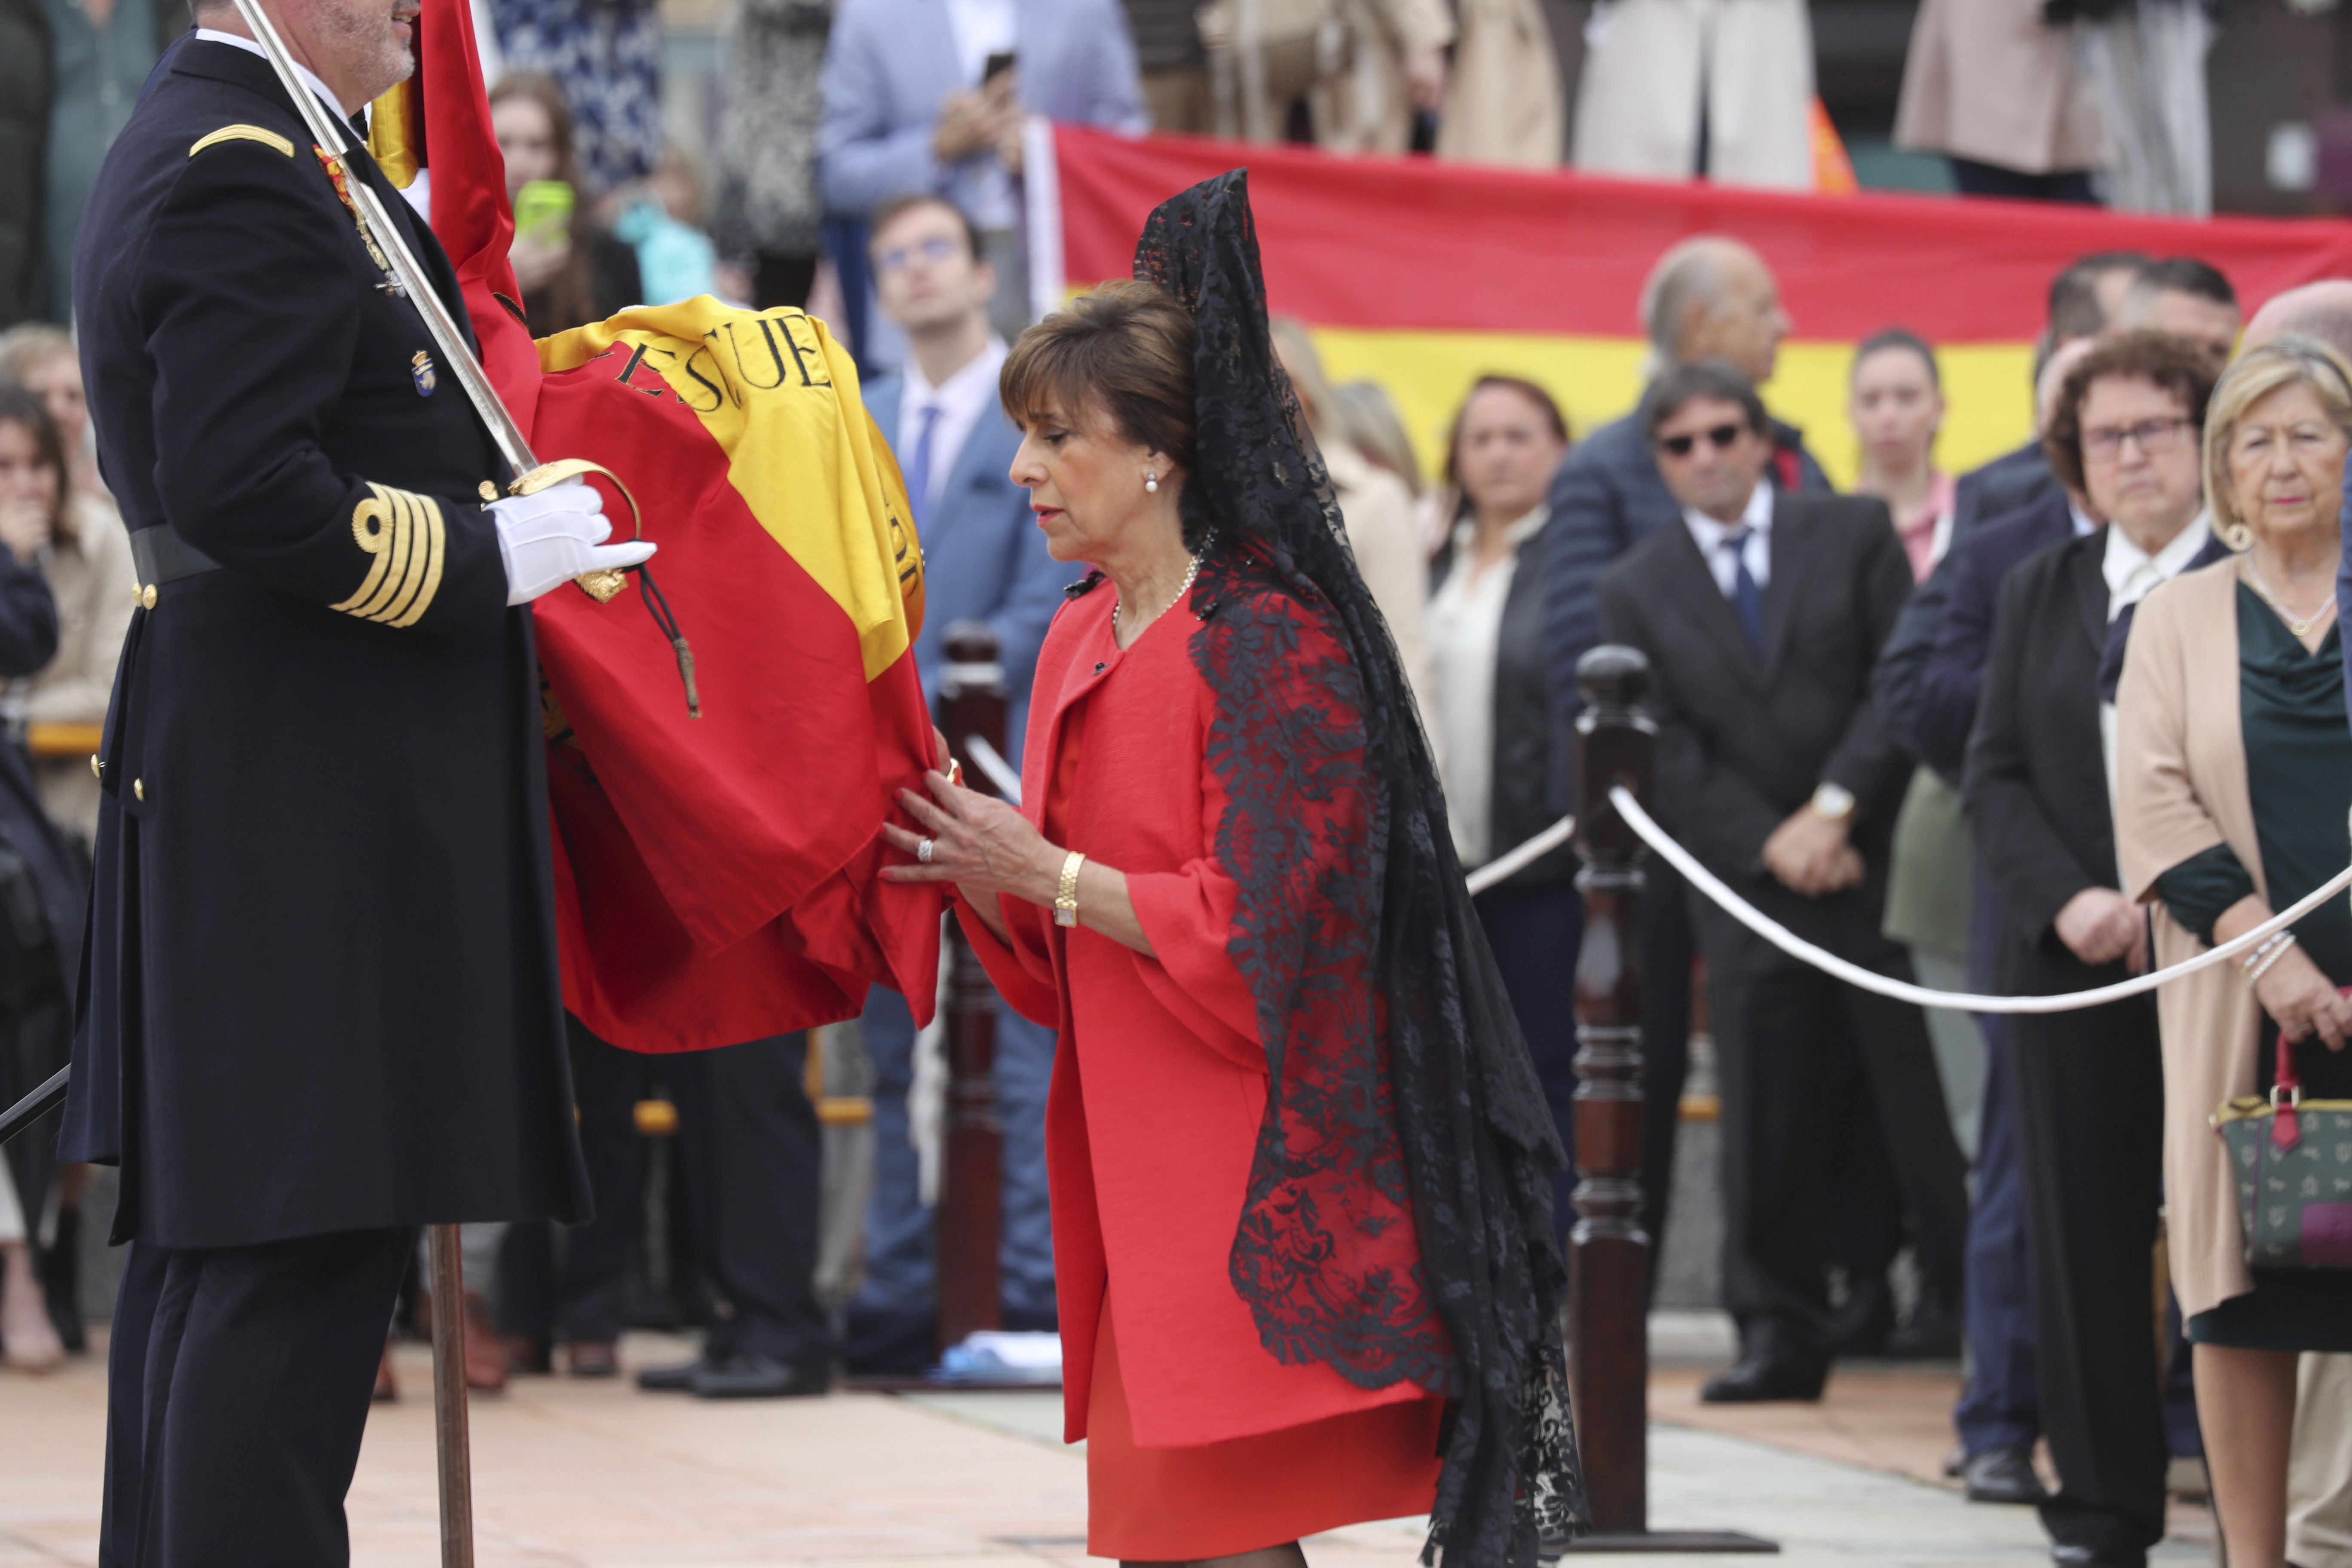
(2238, 537)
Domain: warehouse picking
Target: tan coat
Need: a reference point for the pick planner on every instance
(1364, 108)
(91, 577)
(1986, 81)
(2180, 772)
(1505, 104)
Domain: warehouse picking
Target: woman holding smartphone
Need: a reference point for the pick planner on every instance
(574, 270)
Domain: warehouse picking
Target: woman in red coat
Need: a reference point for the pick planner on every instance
(1301, 1168)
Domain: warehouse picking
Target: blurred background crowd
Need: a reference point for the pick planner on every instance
(865, 159)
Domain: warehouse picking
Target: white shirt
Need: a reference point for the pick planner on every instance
(2132, 574)
(310, 78)
(982, 28)
(2083, 521)
(1756, 551)
(961, 400)
(1465, 622)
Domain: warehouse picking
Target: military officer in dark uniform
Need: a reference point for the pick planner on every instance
(320, 1002)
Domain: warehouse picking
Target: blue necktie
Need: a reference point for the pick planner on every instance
(1747, 598)
(918, 472)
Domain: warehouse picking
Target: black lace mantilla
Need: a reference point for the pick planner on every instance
(1399, 1081)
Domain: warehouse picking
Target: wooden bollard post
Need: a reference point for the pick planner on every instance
(971, 1215)
(1608, 1268)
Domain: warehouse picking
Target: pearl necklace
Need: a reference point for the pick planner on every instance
(2299, 628)
(1191, 573)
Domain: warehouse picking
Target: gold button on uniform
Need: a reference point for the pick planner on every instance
(97, 767)
(147, 597)
(490, 492)
(138, 788)
(138, 595)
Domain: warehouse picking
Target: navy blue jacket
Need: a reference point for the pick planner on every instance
(1953, 674)
(1607, 498)
(320, 991)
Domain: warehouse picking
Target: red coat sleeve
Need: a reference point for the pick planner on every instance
(1023, 970)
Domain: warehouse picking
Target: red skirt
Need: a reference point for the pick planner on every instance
(1218, 1499)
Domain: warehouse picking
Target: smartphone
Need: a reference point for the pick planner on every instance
(542, 209)
(998, 64)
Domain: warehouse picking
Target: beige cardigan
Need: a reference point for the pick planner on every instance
(2180, 788)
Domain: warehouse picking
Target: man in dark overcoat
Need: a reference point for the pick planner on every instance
(319, 1001)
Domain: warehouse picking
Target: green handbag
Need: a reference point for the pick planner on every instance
(2293, 1159)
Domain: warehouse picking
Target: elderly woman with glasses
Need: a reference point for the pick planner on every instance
(2232, 803)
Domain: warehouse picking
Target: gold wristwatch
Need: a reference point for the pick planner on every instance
(1065, 898)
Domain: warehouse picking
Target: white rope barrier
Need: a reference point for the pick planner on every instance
(1795, 946)
(990, 761)
(1524, 855)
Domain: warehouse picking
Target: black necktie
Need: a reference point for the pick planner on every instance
(1747, 598)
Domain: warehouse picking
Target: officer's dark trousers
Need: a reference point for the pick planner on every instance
(1789, 1040)
(237, 1391)
(2089, 1096)
(749, 1140)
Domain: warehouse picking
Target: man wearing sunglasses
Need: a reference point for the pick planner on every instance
(1761, 612)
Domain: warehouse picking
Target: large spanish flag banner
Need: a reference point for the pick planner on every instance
(1424, 275)
(715, 870)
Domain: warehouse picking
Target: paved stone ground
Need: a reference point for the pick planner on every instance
(585, 1475)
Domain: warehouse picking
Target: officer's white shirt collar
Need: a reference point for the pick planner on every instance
(2131, 571)
(1756, 550)
(310, 78)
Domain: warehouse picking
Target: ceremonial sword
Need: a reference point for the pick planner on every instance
(528, 474)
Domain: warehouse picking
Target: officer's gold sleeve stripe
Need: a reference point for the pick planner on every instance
(243, 133)
(405, 533)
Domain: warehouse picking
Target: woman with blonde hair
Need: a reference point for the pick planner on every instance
(2234, 777)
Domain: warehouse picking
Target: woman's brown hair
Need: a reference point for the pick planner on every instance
(2159, 358)
(21, 406)
(567, 299)
(1535, 397)
(1123, 352)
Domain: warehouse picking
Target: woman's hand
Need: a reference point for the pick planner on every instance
(978, 842)
(23, 528)
(2302, 1002)
(2099, 925)
(538, 258)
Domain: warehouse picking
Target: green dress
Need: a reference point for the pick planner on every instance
(2299, 772)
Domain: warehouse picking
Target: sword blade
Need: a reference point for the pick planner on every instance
(330, 132)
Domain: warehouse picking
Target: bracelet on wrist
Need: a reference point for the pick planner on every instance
(2263, 949)
(2269, 958)
(1066, 896)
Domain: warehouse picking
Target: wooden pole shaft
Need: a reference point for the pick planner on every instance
(971, 1215)
(452, 1444)
(1608, 1271)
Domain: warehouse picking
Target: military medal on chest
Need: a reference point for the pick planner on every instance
(391, 284)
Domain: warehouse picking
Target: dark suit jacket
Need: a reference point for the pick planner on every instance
(320, 991)
(1607, 498)
(2036, 784)
(1955, 671)
(2008, 483)
(1743, 739)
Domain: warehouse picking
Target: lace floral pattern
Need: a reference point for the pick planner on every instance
(1400, 1085)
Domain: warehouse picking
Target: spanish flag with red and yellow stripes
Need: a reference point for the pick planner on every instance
(1426, 275)
(715, 875)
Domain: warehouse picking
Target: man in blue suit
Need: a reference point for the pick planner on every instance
(911, 104)
(983, 560)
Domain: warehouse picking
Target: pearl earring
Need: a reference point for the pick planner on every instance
(1151, 481)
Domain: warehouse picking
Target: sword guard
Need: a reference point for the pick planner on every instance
(600, 586)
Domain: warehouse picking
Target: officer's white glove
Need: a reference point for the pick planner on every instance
(547, 539)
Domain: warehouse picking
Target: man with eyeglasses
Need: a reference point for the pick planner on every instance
(985, 560)
(1761, 612)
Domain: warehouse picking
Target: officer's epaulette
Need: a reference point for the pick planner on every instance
(1084, 585)
(243, 133)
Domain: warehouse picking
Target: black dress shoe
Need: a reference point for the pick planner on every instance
(899, 1342)
(2001, 1474)
(750, 1376)
(1761, 1378)
(674, 1379)
(2088, 1557)
(1858, 1329)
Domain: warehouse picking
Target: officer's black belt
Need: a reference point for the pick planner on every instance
(162, 556)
